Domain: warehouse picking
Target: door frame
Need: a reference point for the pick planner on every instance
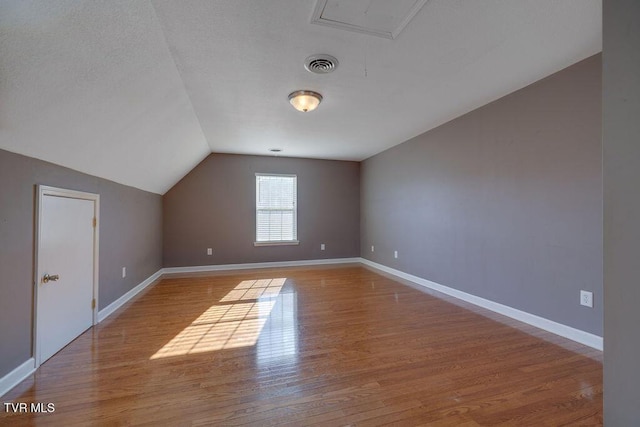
(42, 191)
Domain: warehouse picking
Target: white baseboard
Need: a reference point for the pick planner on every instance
(565, 331)
(16, 376)
(108, 310)
(224, 267)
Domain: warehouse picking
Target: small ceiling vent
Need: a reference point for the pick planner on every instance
(320, 64)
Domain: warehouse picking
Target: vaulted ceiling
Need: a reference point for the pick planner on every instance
(139, 92)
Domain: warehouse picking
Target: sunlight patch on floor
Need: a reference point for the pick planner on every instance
(255, 289)
(232, 324)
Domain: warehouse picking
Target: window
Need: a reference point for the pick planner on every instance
(276, 210)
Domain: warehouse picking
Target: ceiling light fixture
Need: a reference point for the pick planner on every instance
(305, 100)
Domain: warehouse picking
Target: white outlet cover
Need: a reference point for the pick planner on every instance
(395, 254)
(124, 272)
(586, 298)
(322, 246)
(209, 251)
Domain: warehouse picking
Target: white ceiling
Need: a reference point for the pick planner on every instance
(140, 92)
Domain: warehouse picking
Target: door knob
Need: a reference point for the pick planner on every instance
(46, 278)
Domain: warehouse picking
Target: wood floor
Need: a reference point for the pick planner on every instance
(311, 346)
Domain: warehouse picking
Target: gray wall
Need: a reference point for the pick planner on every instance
(130, 236)
(214, 207)
(504, 203)
(621, 143)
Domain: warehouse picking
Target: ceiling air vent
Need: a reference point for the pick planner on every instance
(320, 64)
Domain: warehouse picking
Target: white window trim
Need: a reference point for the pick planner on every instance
(277, 242)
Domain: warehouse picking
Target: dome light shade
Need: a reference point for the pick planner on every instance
(305, 100)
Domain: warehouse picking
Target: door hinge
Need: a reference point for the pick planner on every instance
(95, 222)
(93, 303)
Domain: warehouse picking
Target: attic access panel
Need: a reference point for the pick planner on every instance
(380, 18)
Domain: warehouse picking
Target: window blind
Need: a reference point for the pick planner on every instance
(276, 208)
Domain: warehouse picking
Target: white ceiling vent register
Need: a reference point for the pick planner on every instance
(382, 18)
(320, 64)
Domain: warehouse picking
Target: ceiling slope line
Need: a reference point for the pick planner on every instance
(184, 86)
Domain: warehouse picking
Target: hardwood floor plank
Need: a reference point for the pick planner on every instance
(331, 345)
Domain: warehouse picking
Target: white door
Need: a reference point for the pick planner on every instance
(65, 282)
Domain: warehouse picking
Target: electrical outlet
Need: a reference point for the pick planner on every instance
(586, 298)
(372, 248)
(209, 251)
(124, 272)
(322, 246)
(395, 254)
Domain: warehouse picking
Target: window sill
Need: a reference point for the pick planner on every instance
(281, 243)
